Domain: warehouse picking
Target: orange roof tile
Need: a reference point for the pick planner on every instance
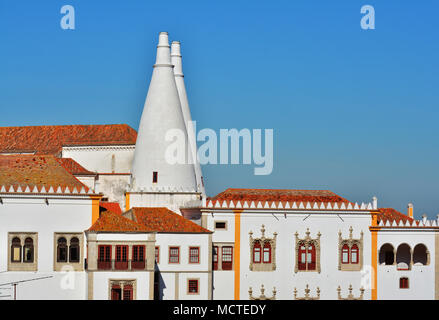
(36, 171)
(50, 139)
(390, 214)
(276, 195)
(111, 206)
(164, 220)
(112, 222)
(73, 167)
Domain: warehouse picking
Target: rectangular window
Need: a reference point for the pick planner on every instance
(155, 177)
(157, 254)
(138, 260)
(227, 258)
(404, 283)
(104, 258)
(127, 292)
(267, 254)
(194, 255)
(221, 225)
(174, 255)
(193, 286)
(215, 258)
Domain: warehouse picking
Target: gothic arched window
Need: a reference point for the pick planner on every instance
(74, 250)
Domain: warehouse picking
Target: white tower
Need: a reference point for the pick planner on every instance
(179, 80)
(156, 179)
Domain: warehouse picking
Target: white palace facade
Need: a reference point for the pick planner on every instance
(96, 212)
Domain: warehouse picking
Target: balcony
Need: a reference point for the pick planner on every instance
(127, 265)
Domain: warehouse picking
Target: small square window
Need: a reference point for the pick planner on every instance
(193, 286)
(222, 225)
(404, 283)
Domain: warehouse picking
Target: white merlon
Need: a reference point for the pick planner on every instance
(375, 203)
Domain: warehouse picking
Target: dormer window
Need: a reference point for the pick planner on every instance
(155, 176)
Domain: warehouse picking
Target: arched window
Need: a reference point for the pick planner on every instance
(62, 250)
(403, 257)
(257, 252)
(74, 250)
(267, 252)
(420, 255)
(16, 250)
(302, 257)
(345, 254)
(28, 254)
(387, 255)
(354, 254)
(311, 257)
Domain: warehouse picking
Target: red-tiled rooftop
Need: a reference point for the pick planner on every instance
(277, 195)
(73, 167)
(163, 220)
(112, 222)
(50, 139)
(32, 170)
(111, 206)
(390, 214)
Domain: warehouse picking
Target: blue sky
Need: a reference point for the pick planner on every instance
(353, 111)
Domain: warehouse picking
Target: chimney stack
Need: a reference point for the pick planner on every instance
(375, 203)
(424, 218)
(410, 210)
(185, 109)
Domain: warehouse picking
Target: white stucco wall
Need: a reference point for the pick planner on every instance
(32, 214)
(421, 278)
(284, 279)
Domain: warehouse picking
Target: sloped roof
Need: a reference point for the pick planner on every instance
(164, 220)
(112, 222)
(50, 139)
(390, 214)
(36, 171)
(111, 206)
(73, 167)
(279, 195)
(161, 220)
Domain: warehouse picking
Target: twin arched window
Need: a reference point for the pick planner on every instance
(350, 255)
(262, 254)
(27, 250)
(68, 253)
(307, 257)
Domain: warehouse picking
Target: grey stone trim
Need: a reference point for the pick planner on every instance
(262, 295)
(307, 294)
(306, 242)
(350, 242)
(350, 295)
(263, 266)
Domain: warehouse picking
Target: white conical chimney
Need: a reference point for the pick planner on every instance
(162, 112)
(179, 80)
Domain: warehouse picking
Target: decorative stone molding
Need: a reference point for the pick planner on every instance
(350, 242)
(262, 240)
(122, 283)
(77, 266)
(262, 296)
(350, 295)
(307, 241)
(23, 266)
(307, 296)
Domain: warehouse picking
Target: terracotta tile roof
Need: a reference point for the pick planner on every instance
(164, 220)
(276, 195)
(50, 139)
(36, 171)
(112, 222)
(390, 214)
(111, 206)
(74, 168)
